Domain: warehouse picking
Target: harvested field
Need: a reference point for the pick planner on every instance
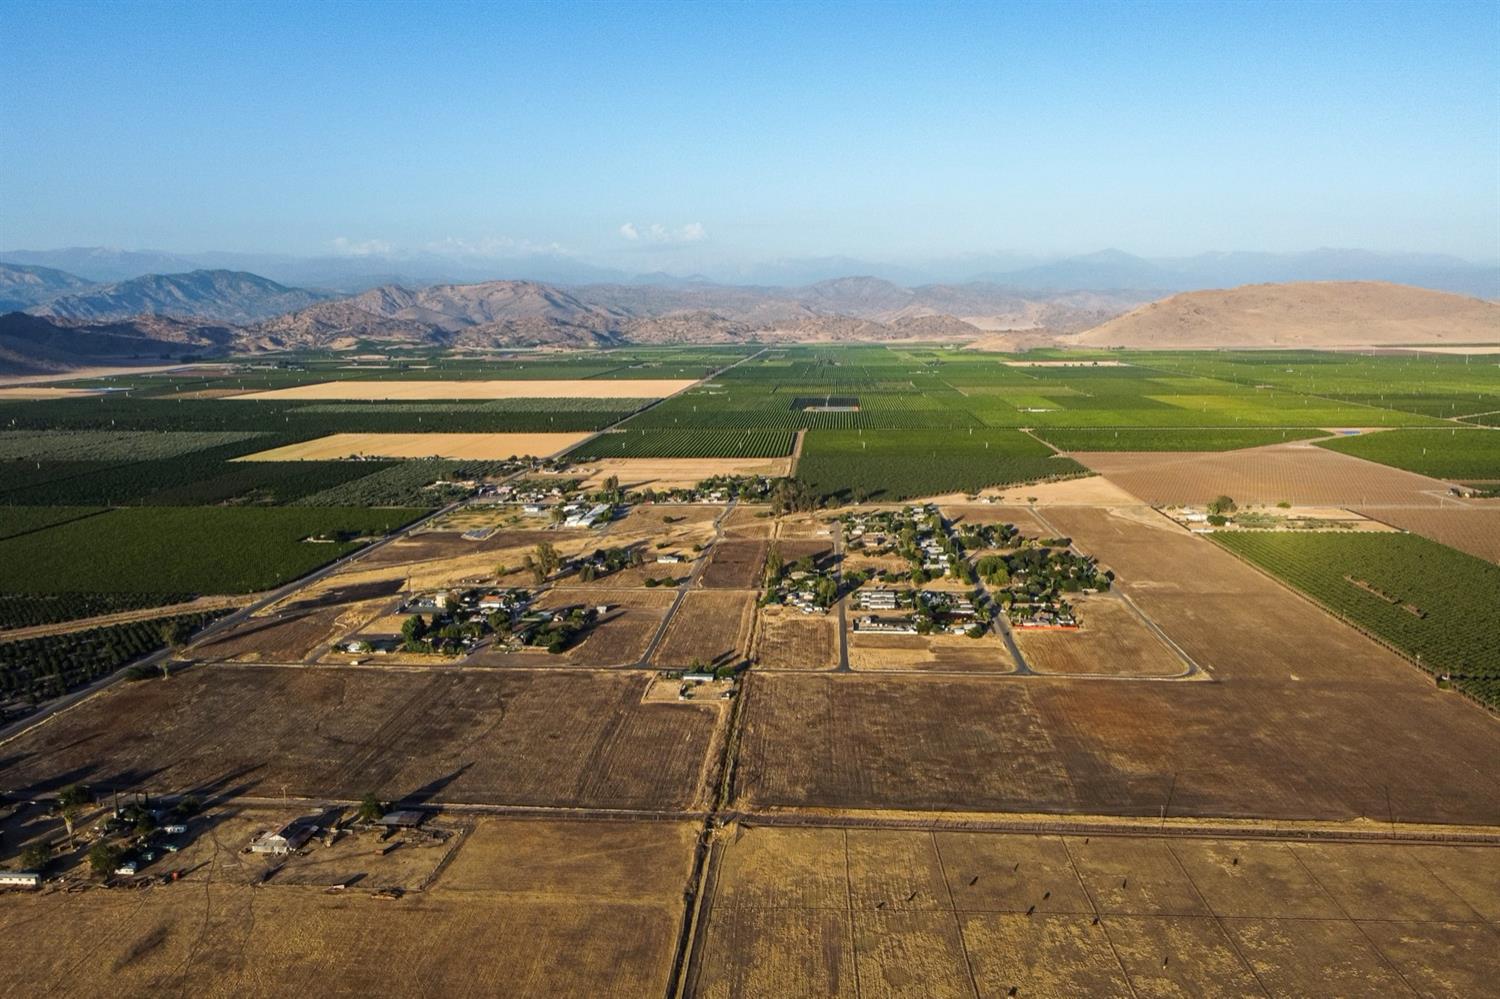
(711, 626)
(288, 638)
(1314, 750)
(949, 913)
(789, 639)
(1302, 474)
(457, 446)
(735, 565)
(874, 652)
(1472, 529)
(1110, 641)
(671, 473)
(573, 388)
(499, 737)
(229, 939)
(749, 522)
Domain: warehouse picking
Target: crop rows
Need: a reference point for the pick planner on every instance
(403, 483)
(25, 610)
(1435, 604)
(1160, 439)
(1446, 454)
(37, 668)
(104, 445)
(683, 443)
(206, 550)
(895, 464)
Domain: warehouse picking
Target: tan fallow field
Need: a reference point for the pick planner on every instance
(468, 447)
(572, 388)
(43, 392)
(670, 473)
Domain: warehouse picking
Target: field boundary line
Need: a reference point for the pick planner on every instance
(1377, 639)
(1142, 826)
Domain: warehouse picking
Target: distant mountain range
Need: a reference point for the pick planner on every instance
(235, 311)
(1108, 270)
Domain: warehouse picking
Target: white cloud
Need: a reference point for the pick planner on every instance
(344, 246)
(692, 232)
(491, 246)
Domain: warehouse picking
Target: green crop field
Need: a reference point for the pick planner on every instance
(16, 520)
(1462, 454)
(32, 669)
(185, 549)
(1183, 439)
(892, 465)
(676, 443)
(1425, 599)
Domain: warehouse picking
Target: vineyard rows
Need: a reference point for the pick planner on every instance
(675, 443)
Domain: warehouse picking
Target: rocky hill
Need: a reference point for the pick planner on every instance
(22, 286)
(217, 296)
(1305, 314)
(37, 344)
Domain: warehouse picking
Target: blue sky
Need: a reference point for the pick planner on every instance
(669, 135)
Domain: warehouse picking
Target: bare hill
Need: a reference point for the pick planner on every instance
(1306, 314)
(216, 296)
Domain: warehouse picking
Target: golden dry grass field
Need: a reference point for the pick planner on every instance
(883, 912)
(476, 447)
(1110, 641)
(526, 908)
(591, 388)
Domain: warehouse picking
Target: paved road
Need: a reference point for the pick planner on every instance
(682, 591)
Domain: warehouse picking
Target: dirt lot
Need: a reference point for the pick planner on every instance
(751, 522)
(461, 446)
(671, 473)
(1260, 749)
(908, 913)
(712, 626)
(589, 388)
(485, 736)
(1110, 641)
(1302, 474)
(735, 565)
(788, 639)
(960, 653)
(606, 894)
(1475, 530)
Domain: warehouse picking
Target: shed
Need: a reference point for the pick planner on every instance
(20, 879)
(285, 840)
(406, 818)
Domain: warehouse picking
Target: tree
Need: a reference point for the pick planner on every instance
(371, 808)
(547, 558)
(70, 802)
(175, 635)
(413, 631)
(1222, 505)
(104, 858)
(530, 565)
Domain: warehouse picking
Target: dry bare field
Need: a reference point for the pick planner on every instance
(789, 639)
(735, 565)
(587, 388)
(460, 446)
(43, 392)
(1472, 529)
(623, 631)
(873, 652)
(599, 902)
(531, 738)
(750, 522)
(670, 473)
(1111, 641)
(711, 626)
(911, 913)
(1302, 474)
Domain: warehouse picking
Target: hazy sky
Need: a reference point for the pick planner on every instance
(665, 134)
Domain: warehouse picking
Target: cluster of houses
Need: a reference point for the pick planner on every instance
(718, 489)
(917, 533)
(1033, 580)
(539, 494)
(457, 621)
(805, 585)
(915, 612)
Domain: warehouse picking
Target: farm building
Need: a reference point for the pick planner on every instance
(20, 879)
(290, 837)
(405, 818)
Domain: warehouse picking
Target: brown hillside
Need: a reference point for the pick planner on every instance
(1308, 314)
